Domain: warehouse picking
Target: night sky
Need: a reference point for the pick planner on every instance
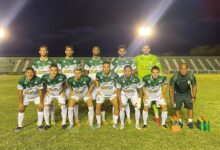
(106, 23)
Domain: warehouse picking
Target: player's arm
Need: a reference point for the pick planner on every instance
(158, 64)
(171, 91)
(118, 86)
(86, 69)
(164, 87)
(194, 88)
(91, 87)
(20, 97)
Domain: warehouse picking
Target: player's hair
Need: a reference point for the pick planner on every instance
(53, 65)
(182, 64)
(29, 68)
(127, 66)
(78, 69)
(121, 46)
(155, 68)
(43, 46)
(106, 62)
(69, 46)
(96, 47)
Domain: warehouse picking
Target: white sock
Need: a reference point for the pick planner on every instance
(52, 112)
(122, 115)
(63, 113)
(20, 119)
(128, 112)
(190, 120)
(115, 119)
(98, 118)
(137, 115)
(180, 120)
(46, 115)
(103, 115)
(145, 116)
(40, 117)
(164, 117)
(76, 112)
(70, 115)
(91, 115)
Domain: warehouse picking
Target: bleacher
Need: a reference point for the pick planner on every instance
(16, 65)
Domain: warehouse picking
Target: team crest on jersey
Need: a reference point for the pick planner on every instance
(60, 79)
(189, 82)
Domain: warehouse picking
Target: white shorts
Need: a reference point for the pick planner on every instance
(28, 99)
(100, 99)
(158, 101)
(79, 96)
(133, 97)
(48, 99)
(67, 93)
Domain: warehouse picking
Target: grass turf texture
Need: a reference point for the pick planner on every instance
(207, 104)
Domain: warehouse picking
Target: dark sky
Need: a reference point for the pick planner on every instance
(107, 23)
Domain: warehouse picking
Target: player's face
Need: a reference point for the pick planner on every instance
(77, 74)
(155, 73)
(121, 52)
(96, 51)
(183, 70)
(69, 52)
(128, 72)
(146, 49)
(29, 74)
(53, 72)
(106, 68)
(43, 51)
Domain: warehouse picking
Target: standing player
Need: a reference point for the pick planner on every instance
(30, 89)
(155, 86)
(42, 67)
(92, 67)
(117, 66)
(105, 84)
(55, 90)
(145, 62)
(67, 66)
(128, 86)
(183, 90)
(79, 88)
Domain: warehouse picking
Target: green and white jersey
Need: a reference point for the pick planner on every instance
(54, 86)
(182, 84)
(129, 85)
(107, 82)
(79, 86)
(154, 86)
(145, 63)
(94, 65)
(42, 67)
(30, 88)
(68, 65)
(119, 63)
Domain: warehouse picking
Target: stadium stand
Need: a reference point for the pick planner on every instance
(16, 65)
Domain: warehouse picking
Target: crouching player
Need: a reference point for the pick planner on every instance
(105, 84)
(128, 86)
(79, 88)
(154, 89)
(55, 90)
(30, 89)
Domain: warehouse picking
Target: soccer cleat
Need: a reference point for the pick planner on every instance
(115, 126)
(181, 124)
(129, 121)
(64, 126)
(18, 129)
(164, 126)
(77, 123)
(137, 127)
(190, 125)
(53, 123)
(157, 120)
(104, 122)
(92, 127)
(70, 127)
(98, 126)
(121, 126)
(47, 127)
(40, 128)
(145, 126)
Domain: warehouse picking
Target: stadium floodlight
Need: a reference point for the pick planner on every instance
(2, 33)
(145, 31)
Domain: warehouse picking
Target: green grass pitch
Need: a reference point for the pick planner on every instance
(207, 104)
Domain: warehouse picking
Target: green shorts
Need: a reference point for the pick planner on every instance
(183, 99)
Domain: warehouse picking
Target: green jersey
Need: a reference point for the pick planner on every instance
(119, 63)
(68, 65)
(54, 86)
(129, 85)
(107, 82)
(154, 86)
(94, 65)
(30, 88)
(81, 85)
(182, 84)
(145, 63)
(42, 67)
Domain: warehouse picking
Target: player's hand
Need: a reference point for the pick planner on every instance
(192, 100)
